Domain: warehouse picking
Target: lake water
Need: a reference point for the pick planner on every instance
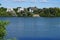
(29, 28)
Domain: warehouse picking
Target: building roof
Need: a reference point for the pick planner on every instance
(33, 8)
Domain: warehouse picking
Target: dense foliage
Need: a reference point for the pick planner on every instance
(44, 12)
(3, 28)
(50, 12)
(3, 12)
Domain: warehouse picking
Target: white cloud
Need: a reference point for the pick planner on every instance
(44, 1)
(33, 0)
(5, 0)
(19, 0)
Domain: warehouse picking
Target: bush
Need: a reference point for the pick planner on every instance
(3, 28)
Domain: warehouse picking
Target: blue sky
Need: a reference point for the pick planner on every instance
(30, 3)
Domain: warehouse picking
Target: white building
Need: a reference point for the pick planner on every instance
(20, 9)
(30, 10)
(9, 9)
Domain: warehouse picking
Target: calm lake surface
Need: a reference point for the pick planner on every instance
(29, 28)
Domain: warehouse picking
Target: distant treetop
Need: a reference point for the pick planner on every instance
(0, 4)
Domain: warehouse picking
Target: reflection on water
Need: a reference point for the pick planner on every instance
(33, 27)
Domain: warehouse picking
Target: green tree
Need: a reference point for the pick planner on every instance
(0, 4)
(3, 29)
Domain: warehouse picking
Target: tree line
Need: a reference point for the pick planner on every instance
(43, 12)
